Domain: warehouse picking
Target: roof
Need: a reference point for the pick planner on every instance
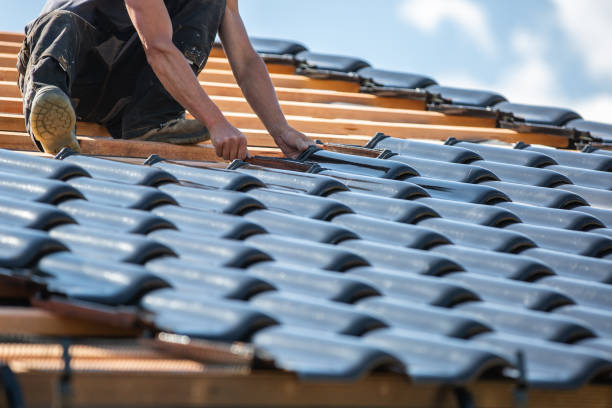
(445, 264)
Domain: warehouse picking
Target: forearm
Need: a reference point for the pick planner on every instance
(175, 74)
(254, 80)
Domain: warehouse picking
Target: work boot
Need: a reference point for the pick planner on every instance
(179, 131)
(52, 120)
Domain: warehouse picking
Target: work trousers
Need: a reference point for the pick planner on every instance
(105, 71)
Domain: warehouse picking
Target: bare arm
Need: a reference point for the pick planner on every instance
(152, 22)
(253, 78)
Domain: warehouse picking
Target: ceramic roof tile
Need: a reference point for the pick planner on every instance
(18, 163)
(393, 79)
(587, 178)
(112, 218)
(601, 214)
(468, 97)
(36, 189)
(209, 177)
(544, 115)
(377, 186)
(487, 215)
(539, 196)
(321, 355)
(421, 289)
(424, 150)
(121, 172)
(599, 320)
(436, 358)
(97, 280)
(275, 46)
(22, 247)
(571, 265)
(597, 129)
(591, 161)
(462, 192)
(499, 154)
(422, 318)
(340, 287)
(595, 197)
(551, 217)
(329, 62)
(320, 208)
(464, 173)
(208, 200)
(511, 173)
(18, 213)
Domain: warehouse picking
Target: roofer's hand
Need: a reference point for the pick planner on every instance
(229, 142)
(292, 142)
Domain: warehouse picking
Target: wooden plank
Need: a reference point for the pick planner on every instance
(255, 390)
(15, 123)
(325, 111)
(10, 89)
(11, 36)
(8, 47)
(8, 60)
(283, 80)
(32, 321)
(105, 146)
(8, 74)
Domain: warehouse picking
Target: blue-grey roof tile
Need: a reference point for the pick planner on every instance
(120, 195)
(29, 214)
(572, 158)
(307, 253)
(36, 189)
(597, 129)
(573, 266)
(208, 200)
(552, 217)
(512, 173)
(438, 359)
(300, 227)
(597, 319)
(216, 251)
(330, 62)
(362, 165)
(462, 192)
(464, 173)
(415, 288)
(217, 281)
(377, 186)
(103, 244)
(340, 287)
(208, 223)
(120, 172)
(401, 259)
(478, 236)
(565, 241)
(390, 209)
(298, 182)
(314, 313)
(390, 232)
(539, 196)
(424, 150)
(498, 264)
(275, 46)
(395, 79)
(544, 368)
(584, 177)
(594, 197)
(407, 315)
(512, 293)
(114, 219)
(97, 280)
(527, 323)
(320, 208)
(593, 294)
(542, 115)
(319, 355)
(22, 247)
(29, 165)
(210, 177)
(601, 214)
(507, 155)
(194, 313)
(468, 97)
(487, 215)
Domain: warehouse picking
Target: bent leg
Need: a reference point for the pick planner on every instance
(50, 55)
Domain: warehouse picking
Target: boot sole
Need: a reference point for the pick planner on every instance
(52, 120)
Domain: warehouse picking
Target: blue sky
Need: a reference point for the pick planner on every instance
(543, 52)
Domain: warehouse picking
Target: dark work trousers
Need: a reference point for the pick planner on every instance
(105, 72)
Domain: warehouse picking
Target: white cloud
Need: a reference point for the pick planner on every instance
(428, 15)
(596, 107)
(588, 25)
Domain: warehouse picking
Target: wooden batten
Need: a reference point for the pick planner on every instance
(11, 37)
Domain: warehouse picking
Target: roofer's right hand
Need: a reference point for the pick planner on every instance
(229, 142)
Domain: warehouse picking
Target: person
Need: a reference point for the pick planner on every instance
(132, 66)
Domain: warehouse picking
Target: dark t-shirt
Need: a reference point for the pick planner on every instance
(113, 12)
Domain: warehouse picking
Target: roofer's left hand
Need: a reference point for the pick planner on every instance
(292, 142)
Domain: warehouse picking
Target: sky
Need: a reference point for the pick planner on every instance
(551, 52)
